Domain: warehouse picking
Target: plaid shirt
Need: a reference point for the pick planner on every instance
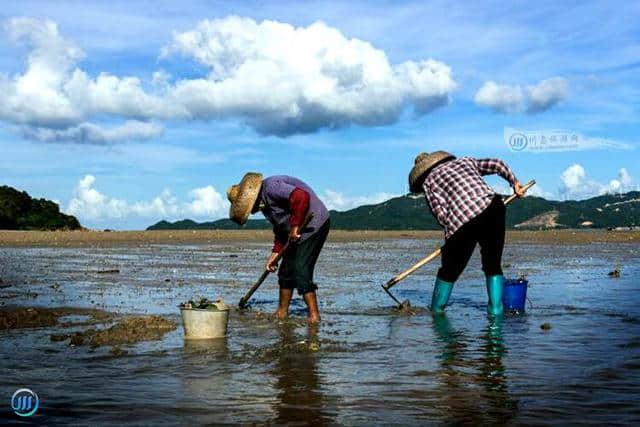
(456, 192)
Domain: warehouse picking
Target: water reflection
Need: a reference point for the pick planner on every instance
(473, 381)
(492, 368)
(451, 340)
(202, 358)
(492, 373)
(300, 398)
(214, 346)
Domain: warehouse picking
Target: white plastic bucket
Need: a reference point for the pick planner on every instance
(204, 324)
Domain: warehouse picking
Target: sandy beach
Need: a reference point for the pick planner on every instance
(116, 238)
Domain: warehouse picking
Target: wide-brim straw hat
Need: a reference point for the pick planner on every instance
(243, 197)
(423, 163)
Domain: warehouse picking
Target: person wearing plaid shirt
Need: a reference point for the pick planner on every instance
(470, 212)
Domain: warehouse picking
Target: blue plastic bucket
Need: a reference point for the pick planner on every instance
(514, 294)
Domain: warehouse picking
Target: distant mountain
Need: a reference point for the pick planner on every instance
(18, 211)
(411, 213)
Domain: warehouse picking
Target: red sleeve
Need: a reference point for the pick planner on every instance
(277, 246)
(299, 204)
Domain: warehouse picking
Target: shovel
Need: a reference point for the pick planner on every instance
(394, 281)
(265, 273)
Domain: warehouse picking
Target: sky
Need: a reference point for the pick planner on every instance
(126, 113)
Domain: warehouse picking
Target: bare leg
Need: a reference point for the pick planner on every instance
(312, 304)
(283, 304)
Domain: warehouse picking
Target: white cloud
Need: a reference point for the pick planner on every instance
(576, 184)
(501, 98)
(279, 79)
(89, 203)
(36, 95)
(623, 183)
(511, 99)
(53, 99)
(160, 79)
(546, 94)
(341, 202)
(92, 133)
(206, 202)
(284, 80)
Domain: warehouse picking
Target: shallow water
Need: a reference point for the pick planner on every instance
(365, 364)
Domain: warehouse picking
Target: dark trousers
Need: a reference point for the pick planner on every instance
(299, 262)
(487, 229)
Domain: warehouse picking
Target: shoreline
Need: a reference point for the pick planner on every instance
(10, 238)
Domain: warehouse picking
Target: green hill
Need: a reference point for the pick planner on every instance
(409, 213)
(18, 211)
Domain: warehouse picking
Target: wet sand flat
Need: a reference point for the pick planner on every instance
(36, 317)
(365, 364)
(115, 238)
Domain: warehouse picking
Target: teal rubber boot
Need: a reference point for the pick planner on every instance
(441, 293)
(495, 285)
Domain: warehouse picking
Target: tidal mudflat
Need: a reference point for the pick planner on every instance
(365, 363)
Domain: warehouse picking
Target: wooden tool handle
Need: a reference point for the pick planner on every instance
(413, 268)
(244, 299)
(527, 186)
(438, 251)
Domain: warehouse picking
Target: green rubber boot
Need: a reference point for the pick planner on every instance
(495, 284)
(441, 293)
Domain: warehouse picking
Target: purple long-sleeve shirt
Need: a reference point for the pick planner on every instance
(275, 194)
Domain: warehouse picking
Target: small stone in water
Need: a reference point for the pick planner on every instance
(77, 339)
(118, 352)
(56, 337)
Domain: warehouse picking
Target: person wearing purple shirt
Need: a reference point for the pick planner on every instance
(286, 201)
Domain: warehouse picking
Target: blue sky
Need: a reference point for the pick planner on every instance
(131, 112)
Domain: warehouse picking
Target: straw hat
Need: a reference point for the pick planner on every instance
(243, 197)
(423, 163)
